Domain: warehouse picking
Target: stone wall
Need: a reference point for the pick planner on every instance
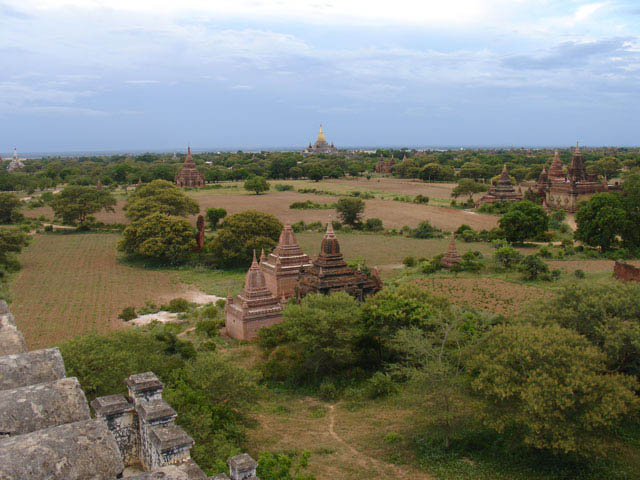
(626, 272)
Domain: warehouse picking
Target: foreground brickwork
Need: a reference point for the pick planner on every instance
(626, 272)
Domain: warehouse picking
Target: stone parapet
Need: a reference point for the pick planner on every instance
(242, 467)
(11, 339)
(35, 407)
(38, 366)
(119, 415)
(144, 386)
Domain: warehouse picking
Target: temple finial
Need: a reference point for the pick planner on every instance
(254, 261)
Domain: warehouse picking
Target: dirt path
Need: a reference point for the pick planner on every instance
(365, 461)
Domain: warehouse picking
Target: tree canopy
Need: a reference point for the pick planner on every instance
(524, 221)
(257, 184)
(9, 208)
(600, 219)
(76, 202)
(159, 196)
(350, 210)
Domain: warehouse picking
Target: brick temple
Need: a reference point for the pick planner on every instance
(503, 191)
(386, 166)
(189, 175)
(321, 146)
(329, 273)
(254, 307)
(452, 257)
(562, 190)
(282, 267)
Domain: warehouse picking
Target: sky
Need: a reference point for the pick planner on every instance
(137, 75)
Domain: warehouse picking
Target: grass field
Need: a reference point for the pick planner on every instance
(72, 284)
(393, 214)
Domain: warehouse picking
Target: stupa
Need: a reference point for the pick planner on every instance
(321, 146)
(452, 257)
(254, 307)
(503, 191)
(329, 273)
(189, 175)
(16, 163)
(385, 166)
(282, 267)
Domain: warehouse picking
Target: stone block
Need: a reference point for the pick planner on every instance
(37, 366)
(144, 386)
(242, 467)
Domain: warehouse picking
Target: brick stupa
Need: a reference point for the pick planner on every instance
(255, 307)
(452, 257)
(282, 267)
(504, 191)
(329, 273)
(189, 175)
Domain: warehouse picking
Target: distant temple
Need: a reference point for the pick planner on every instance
(562, 190)
(283, 265)
(15, 163)
(321, 146)
(384, 166)
(329, 273)
(452, 257)
(255, 307)
(503, 191)
(189, 175)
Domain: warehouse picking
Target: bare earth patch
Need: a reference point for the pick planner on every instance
(587, 266)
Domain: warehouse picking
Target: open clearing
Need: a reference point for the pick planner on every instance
(392, 213)
(72, 284)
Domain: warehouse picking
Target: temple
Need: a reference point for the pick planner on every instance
(503, 191)
(189, 175)
(282, 267)
(329, 273)
(15, 163)
(386, 166)
(321, 146)
(452, 257)
(255, 307)
(562, 190)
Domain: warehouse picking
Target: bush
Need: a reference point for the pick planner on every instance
(579, 273)
(208, 327)
(283, 187)
(427, 267)
(426, 230)
(373, 225)
(392, 438)
(421, 199)
(532, 266)
(470, 236)
(409, 262)
(177, 305)
(328, 391)
(337, 226)
(127, 314)
(380, 385)
(545, 252)
(507, 257)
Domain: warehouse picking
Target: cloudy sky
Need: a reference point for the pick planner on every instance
(161, 74)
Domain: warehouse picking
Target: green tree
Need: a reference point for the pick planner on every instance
(159, 196)
(241, 234)
(12, 241)
(435, 171)
(608, 167)
(315, 173)
(350, 210)
(214, 215)
(523, 221)
(507, 257)
(551, 385)
(631, 201)
(257, 184)
(317, 338)
(284, 466)
(426, 230)
(532, 266)
(467, 186)
(600, 220)
(160, 237)
(9, 208)
(75, 202)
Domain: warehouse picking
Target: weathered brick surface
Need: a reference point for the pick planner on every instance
(626, 272)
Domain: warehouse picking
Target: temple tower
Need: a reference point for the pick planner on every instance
(255, 307)
(504, 191)
(189, 175)
(282, 266)
(452, 257)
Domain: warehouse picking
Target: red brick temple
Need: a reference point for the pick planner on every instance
(189, 175)
(329, 273)
(255, 307)
(282, 267)
(452, 257)
(503, 191)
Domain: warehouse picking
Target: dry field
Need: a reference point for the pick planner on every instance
(72, 284)
(393, 214)
(491, 295)
(587, 266)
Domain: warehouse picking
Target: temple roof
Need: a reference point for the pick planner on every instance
(452, 257)
(254, 280)
(555, 170)
(188, 161)
(321, 138)
(329, 244)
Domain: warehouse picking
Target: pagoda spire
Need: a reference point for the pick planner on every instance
(452, 257)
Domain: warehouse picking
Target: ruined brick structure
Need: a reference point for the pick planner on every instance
(503, 191)
(563, 190)
(200, 234)
(321, 146)
(46, 431)
(329, 273)
(254, 307)
(626, 272)
(282, 267)
(385, 166)
(451, 257)
(189, 175)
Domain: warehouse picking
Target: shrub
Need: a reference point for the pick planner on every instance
(208, 327)
(507, 257)
(579, 273)
(127, 314)
(299, 226)
(545, 252)
(426, 230)
(380, 385)
(427, 267)
(328, 391)
(177, 305)
(470, 236)
(373, 225)
(336, 225)
(409, 261)
(283, 187)
(532, 266)
(421, 199)
(392, 438)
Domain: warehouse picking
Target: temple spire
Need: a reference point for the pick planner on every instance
(321, 137)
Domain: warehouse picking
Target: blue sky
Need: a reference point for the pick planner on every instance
(159, 74)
